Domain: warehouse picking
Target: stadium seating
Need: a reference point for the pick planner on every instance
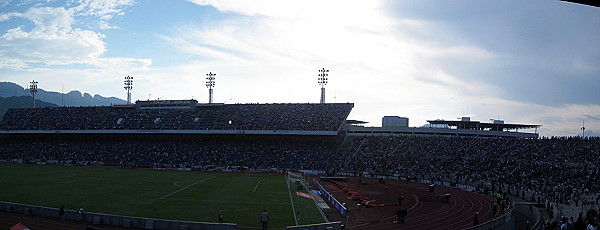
(557, 168)
(166, 151)
(298, 117)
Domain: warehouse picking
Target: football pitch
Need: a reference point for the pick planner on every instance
(187, 196)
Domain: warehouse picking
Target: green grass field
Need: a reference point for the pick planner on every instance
(189, 196)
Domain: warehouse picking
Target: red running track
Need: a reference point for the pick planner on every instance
(425, 209)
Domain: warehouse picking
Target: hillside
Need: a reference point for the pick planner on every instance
(21, 102)
(73, 98)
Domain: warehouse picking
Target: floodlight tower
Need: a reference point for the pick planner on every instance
(33, 90)
(128, 87)
(583, 129)
(323, 73)
(210, 83)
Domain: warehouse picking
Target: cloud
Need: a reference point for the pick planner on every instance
(565, 120)
(539, 57)
(356, 39)
(349, 33)
(123, 65)
(102, 9)
(7, 63)
(593, 117)
(53, 41)
(280, 9)
(49, 21)
(103, 25)
(4, 3)
(385, 64)
(5, 17)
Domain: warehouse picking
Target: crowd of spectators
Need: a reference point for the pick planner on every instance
(551, 167)
(168, 152)
(558, 169)
(297, 117)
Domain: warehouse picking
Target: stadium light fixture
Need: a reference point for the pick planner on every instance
(583, 129)
(128, 87)
(33, 90)
(210, 83)
(323, 73)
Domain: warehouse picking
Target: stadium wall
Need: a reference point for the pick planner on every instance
(526, 210)
(138, 222)
(504, 222)
(326, 226)
(115, 220)
(331, 199)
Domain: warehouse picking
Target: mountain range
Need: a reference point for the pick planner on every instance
(13, 95)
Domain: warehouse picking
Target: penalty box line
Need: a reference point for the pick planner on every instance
(181, 189)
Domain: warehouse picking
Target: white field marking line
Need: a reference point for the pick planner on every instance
(177, 183)
(254, 190)
(187, 187)
(291, 200)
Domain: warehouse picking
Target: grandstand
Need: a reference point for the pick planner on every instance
(152, 132)
(316, 138)
(182, 117)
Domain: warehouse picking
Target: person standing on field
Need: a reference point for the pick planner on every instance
(264, 218)
(61, 214)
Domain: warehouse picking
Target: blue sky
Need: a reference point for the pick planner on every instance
(533, 62)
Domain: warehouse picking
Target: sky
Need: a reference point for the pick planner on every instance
(525, 62)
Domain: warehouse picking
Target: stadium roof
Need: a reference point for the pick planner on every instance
(483, 126)
(355, 122)
(589, 3)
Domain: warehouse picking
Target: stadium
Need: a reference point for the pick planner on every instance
(76, 154)
(180, 164)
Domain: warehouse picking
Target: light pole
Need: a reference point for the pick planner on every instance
(210, 83)
(583, 129)
(128, 87)
(323, 73)
(33, 90)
